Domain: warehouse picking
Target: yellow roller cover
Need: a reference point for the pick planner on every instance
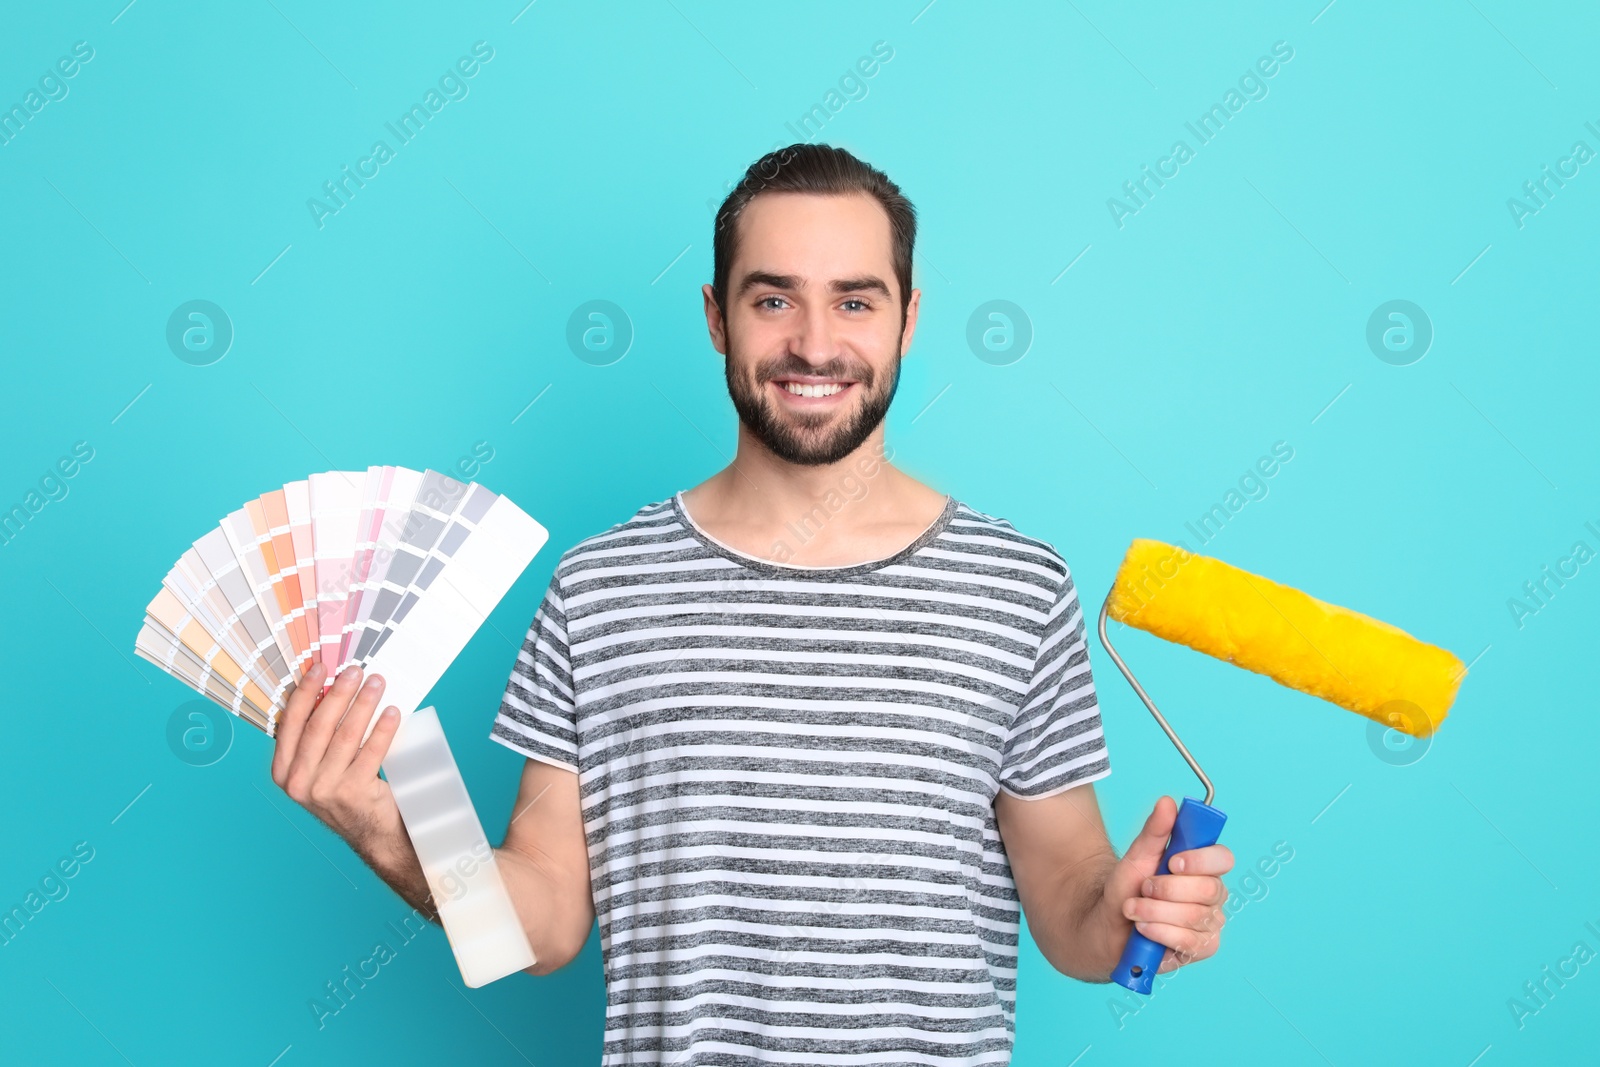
(1339, 655)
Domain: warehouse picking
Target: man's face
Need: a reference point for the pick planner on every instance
(813, 330)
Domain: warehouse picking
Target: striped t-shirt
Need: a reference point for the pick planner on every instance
(788, 777)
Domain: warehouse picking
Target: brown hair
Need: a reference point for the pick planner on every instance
(820, 169)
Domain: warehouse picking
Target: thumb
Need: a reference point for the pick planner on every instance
(1144, 853)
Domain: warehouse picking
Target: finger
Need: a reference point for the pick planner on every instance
(329, 710)
(1209, 859)
(370, 758)
(1193, 888)
(347, 738)
(292, 721)
(1188, 945)
(1206, 945)
(1200, 917)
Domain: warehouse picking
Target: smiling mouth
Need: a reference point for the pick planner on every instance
(814, 390)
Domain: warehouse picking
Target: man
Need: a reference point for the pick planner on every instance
(800, 736)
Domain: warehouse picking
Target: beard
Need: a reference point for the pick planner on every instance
(808, 439)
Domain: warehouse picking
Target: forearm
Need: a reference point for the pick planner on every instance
(395, 861)
(556, 910)
(562, 917)
(1079, 932)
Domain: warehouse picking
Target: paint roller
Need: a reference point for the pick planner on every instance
(1330, 652)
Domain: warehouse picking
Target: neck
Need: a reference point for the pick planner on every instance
(760, 497)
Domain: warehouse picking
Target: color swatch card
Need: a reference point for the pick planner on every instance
(389, 568)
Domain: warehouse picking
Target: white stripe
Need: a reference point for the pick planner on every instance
(816, 633)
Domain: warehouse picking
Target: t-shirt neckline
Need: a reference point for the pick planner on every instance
(847, 570)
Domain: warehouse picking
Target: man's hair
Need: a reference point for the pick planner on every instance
(818, 169)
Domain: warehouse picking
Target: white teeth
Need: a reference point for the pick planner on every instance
(813, 390)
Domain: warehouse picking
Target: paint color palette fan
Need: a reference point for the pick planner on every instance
(391, 569)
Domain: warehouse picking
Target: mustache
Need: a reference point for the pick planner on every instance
(797, 367)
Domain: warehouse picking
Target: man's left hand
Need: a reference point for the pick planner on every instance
(1181, 910)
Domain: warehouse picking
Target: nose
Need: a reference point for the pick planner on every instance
(814, 339)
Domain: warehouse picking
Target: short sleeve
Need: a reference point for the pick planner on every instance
(537, 715)
(1055, 741)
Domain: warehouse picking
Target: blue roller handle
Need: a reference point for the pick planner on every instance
(1198, 824)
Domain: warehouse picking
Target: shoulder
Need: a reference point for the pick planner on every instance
(998, 537)
(649, 529)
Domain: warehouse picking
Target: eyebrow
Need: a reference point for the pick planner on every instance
(865, 283)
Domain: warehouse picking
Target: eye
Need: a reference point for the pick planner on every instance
(762, 303)
(857, 300)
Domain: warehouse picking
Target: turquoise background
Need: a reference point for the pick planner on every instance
(1229, 313)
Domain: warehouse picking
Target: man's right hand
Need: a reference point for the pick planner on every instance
(321, 762)
(323, 765)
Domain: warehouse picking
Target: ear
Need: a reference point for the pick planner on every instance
(714, 322)
(911, 321)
